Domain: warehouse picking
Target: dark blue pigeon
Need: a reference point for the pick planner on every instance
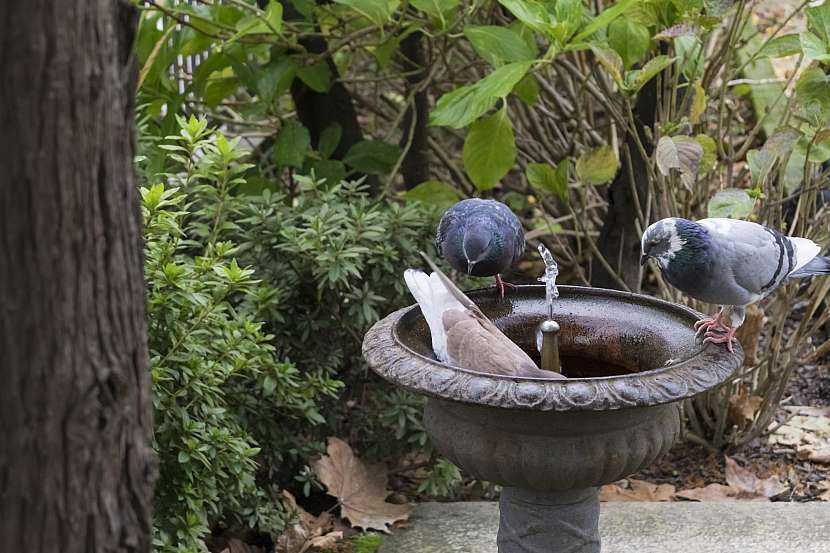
(481, 238)
(730, 263)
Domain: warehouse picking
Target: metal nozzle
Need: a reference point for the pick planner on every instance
(550, 346)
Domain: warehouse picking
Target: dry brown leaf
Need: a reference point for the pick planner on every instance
(808, 411)
(817, 452)
(361, 489)
(824, 495)
(308, 531)
(638, 490)
(327, 542)
(744, 481)
(712, 492)
(802, 428)
(742, 408)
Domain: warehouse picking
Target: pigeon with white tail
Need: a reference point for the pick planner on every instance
(461, 334)
(730, 263)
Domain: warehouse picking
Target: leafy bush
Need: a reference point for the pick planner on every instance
(257, 306)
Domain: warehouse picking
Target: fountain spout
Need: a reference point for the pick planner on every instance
(548, 332)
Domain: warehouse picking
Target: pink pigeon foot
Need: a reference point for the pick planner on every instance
(727, 337)
(501, 284)
(713, 323)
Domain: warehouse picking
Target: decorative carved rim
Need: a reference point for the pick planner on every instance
(400, 365)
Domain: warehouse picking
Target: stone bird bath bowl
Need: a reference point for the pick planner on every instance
(629, 359)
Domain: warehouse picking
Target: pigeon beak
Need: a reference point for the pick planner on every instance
(470, 265)
(643, 259)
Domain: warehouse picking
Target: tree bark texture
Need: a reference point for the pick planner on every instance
(415, 166)
(619, 241)
(76, 466)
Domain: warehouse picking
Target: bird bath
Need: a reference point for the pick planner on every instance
(629, 359)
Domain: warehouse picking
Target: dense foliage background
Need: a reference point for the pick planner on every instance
(295, 157)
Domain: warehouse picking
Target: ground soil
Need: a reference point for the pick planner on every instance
(689, 465)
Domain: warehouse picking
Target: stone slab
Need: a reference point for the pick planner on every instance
(633, 527)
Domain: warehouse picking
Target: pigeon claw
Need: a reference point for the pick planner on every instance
(704, 326)
(501, 284)
(727, 337)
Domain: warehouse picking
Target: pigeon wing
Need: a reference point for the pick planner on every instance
(475, 343)
(754, 257)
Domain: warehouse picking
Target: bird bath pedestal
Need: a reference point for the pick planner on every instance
(629, 359)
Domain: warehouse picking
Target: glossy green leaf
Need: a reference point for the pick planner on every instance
(813, 47)
(710, 153)
(329, 140)
(464, 105)
(269, 22)
(527, 90)
(597, 166)
(219, 89)
(275, 79)
(650, 70)
(498, 45)
(629, 39)
(489, 150)
(317, 76)
(291, 145)
(531, 13)
(782, 46)
(373, 156)
(813, 94)
(605, 18)
(331, 171)
(760, 163)
(435, 8)
(433, 192)
(542, 176)
(376, 11)
(611, 61)
(818, 21)
(731, 203)
(698, 104)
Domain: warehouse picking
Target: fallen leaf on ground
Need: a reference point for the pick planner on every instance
(741, 485)
(817, 452)
(744, 481)
(808, 411)
(714, 492)
(824, 495)
(307, 531)
(638, 490)
(803, 428)
(360, 488)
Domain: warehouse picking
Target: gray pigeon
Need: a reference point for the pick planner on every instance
(730, 263)
(480, 238)
(461, 334)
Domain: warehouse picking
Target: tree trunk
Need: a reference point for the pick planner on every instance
(76, 467)
(415, 166)
(619, 241)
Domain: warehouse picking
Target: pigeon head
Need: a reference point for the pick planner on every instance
(672, 238)
(481, 248)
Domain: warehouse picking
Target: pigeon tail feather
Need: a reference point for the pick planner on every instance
(816, 266)
(434, 299)
(805, 251)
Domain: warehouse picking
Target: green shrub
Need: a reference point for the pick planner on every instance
(257, 304)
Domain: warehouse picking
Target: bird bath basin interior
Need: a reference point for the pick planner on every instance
(629, 359)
